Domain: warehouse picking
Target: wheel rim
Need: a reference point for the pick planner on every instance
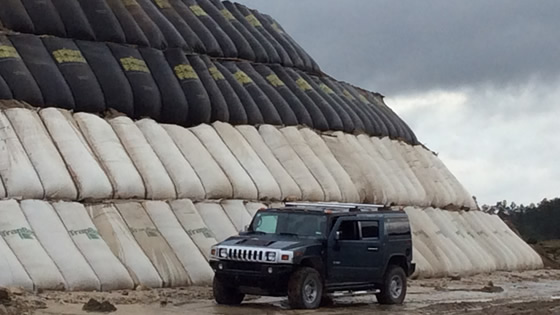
(310, 291)
(396, 287)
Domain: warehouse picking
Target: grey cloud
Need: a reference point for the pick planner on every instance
(405, 46)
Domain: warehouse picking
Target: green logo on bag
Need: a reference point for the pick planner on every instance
(150, 232)
(23, 233)
(91, 233)
(204, 231)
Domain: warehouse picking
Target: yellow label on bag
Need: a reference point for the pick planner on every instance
(348, 95)
(277, 28)
(216, 74)
(275, 80)
(68, 55)
(198, 11)
(363, 99)
(163, 4)
(242, 77)
(227, 14)
(326, 89)
(252, 19)
(184, 72)
(303, 85)
(134, 64)
(129, 3)
(8, 52)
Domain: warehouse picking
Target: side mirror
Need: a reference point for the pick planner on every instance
(246, 228)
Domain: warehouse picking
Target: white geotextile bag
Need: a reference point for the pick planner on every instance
(348, 159)
(422, 174)
(458, 265)
(156, 248)
(194, 225)
(156, 180)
(187, 184)
(268, 188)
(487, 239)
(463, 196)
(347, 188)
(13, 274)
(109, 151)
(216, 220)
(422, 242)
(472, 237)
(237, 213)
(399, 194)
(470, 249)
(534, 260)
(292, 163)
(215, 182)
(382, 191)
(17, 232)
(186, 250)
(288, 186)
(43, 154)
(89, 177)
(513, 261)
(393, 147)
(243, 185)
(54, 238)
(253, 207)
(423, 268)
(119, 238)
(109, 270)
(389, 154)
(448, 193)
(313, 163)
(20, 180)
(457, 245)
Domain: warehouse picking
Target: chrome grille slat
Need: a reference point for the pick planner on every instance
(246, 253)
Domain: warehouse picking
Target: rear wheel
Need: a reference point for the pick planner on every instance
(393, 290)
(225, 294)
(305, 289)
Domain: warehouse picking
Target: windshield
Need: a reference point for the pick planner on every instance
(296, 224)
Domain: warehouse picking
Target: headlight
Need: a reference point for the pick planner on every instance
(270, 256)
(222, 253)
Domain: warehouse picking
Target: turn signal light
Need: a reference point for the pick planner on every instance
(213, 252)
(285, 257)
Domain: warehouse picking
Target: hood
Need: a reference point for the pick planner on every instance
(271, 241)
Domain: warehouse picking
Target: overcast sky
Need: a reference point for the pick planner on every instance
(478, 81)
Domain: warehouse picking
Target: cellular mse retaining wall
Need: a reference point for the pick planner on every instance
(136, 134)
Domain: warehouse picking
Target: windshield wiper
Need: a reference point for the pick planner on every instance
(288, 234)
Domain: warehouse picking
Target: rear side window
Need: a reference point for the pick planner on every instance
(370, 229)
(397, 227)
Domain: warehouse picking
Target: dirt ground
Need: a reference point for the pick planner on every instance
(530, 292)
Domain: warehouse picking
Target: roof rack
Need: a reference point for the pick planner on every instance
(338, 206)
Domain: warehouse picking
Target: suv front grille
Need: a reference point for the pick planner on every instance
(246, 254)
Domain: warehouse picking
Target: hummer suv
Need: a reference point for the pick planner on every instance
(308, 251)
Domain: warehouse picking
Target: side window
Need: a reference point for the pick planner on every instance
(397, 227)
(370, 229)
(349, 230)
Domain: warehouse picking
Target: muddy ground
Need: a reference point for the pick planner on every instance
(530, 292)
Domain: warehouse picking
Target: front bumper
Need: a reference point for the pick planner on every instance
(254, 278)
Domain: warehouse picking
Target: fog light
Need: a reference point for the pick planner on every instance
(270, 270)
(220, 266)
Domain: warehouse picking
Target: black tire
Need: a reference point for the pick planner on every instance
(393, 290)
(305, 289)
(224, 294)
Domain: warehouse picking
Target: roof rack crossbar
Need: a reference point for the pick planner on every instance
(338, 205)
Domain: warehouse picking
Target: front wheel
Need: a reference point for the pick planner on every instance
(225, 294)
(393, 290)
(305, 289)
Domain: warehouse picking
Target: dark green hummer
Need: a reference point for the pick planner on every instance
(307, 251)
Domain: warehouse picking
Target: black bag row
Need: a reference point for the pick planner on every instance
(173, 87)
(211, 27)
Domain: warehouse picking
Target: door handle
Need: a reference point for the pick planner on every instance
(373, 249)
